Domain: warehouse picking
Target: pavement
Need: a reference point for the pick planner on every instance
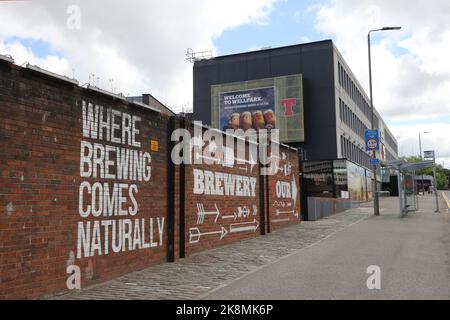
(326, 259)
(412, 253)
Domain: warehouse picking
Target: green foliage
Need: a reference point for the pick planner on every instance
(442, 174)
(441, 180)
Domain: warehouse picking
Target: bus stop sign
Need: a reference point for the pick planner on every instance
(372, 138)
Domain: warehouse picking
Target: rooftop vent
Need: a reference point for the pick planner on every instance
(51, 74)
(7, 58)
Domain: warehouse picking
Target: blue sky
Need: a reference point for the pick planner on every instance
(40, 48)
(293, 22)
(288, 23)
(411, 66)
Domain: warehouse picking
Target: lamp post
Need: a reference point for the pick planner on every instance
(376, 200)
(421, 157)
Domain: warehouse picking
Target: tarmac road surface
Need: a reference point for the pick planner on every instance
(412, 253)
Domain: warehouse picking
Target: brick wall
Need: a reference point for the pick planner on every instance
(284, 191)
(222, 197)
(67, 199)
(41, 228)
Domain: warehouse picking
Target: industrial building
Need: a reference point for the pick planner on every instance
(336, 109)
(151, 101)
(319, 105)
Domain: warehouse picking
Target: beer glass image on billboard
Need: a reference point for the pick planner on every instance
(246, 121)
(235, 121)
(247, 109)
(270, 119)
(258, 120)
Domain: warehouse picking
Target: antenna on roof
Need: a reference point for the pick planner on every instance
(52, 74)
(192, 56)
(112, 86)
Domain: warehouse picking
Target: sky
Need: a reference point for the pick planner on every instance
(139, 46)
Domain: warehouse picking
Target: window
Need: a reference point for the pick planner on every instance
(353, 121)
(346, 83)
(346, 114)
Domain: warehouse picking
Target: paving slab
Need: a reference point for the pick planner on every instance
(204, 272)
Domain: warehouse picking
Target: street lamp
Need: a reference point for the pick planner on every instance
(421, 156)
(376, 200)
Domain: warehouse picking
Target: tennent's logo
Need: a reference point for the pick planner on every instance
(289, 105)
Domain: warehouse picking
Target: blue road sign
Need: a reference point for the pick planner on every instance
(372, 138)
(374, 162)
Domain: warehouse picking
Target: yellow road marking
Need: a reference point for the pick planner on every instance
(446, 199)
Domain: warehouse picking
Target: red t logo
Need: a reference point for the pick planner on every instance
(289, 105)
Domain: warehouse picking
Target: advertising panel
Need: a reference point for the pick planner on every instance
(247, 109)
(357, 185)
(410, 200)
(428, 155)
(261, 104)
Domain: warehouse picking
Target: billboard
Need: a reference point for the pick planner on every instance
(428, 155)
(261, 104)
(245, 109)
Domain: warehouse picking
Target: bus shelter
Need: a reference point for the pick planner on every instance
(406, 171)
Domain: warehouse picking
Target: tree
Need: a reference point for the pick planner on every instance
(442, 174)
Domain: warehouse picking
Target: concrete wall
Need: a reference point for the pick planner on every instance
(319, 208)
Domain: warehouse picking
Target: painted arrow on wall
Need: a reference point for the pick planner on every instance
(255, 210)
(294, 190)
(243, 212)
(245, 226)
(232, 216)
(280, 220)
(202, 213)
(212, 159)
(295, 213)
(195, 234)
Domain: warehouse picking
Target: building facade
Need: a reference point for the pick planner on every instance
(151, 101)
(335, 109)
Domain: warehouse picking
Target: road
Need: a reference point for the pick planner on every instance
(325, 259)
(413, 254)
(447, 199)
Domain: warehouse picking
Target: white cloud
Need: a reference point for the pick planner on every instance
(140, 44)
(438, 139)
(24, 54)
(411, 69)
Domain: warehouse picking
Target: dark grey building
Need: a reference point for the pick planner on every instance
(151, 101)
(336, 108)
